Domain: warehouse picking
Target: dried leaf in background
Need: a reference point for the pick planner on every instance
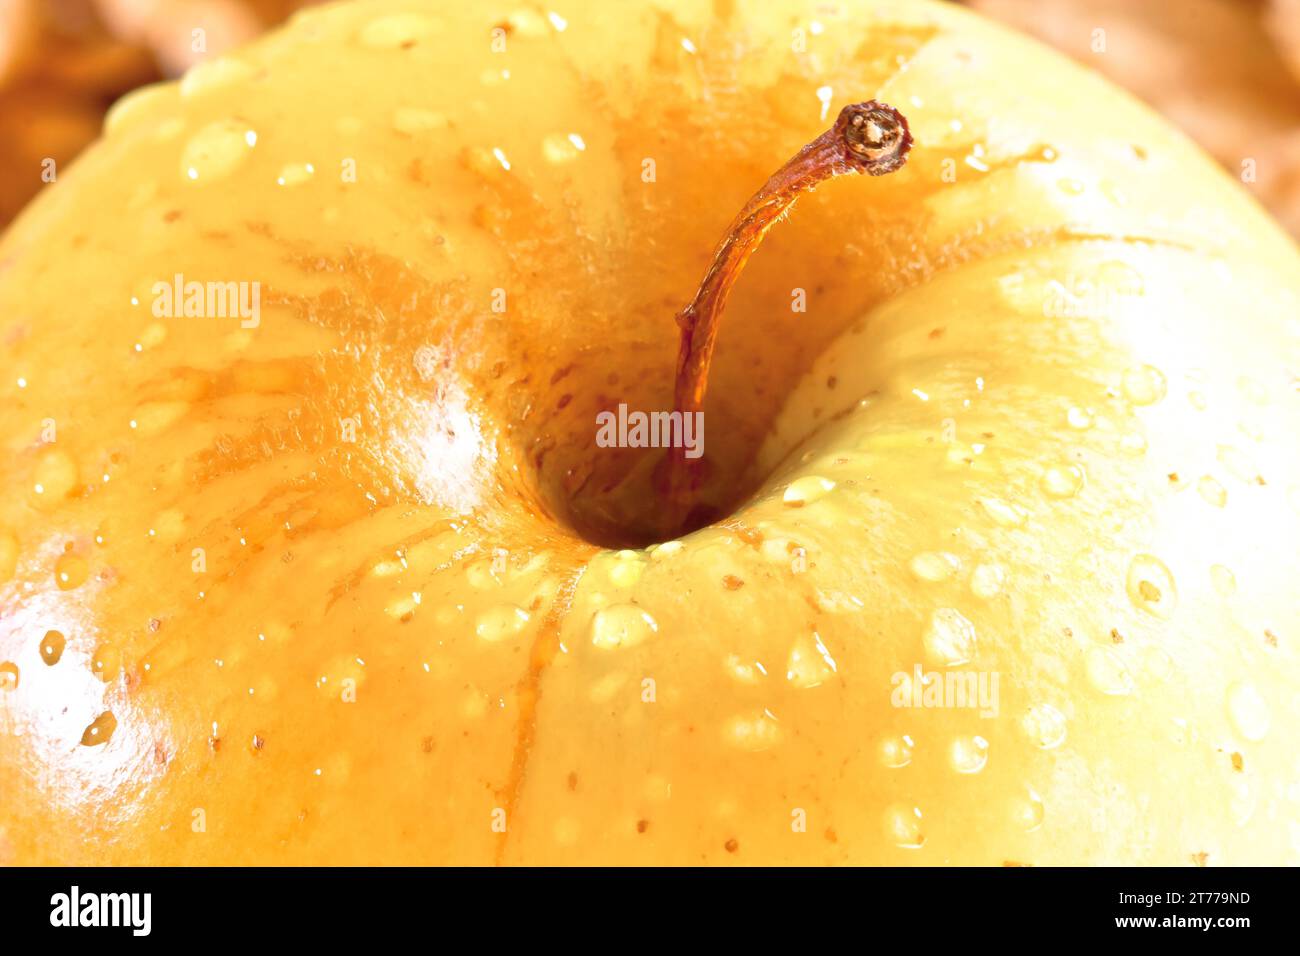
(64, 62)
(1226, 71)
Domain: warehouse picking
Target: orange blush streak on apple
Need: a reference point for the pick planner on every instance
(529, 694)
(868, 137)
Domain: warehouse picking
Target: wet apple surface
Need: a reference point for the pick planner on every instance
(354, 583)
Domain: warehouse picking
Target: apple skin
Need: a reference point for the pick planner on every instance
(1079, 352)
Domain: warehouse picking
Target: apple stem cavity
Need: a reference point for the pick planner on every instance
(870, 138)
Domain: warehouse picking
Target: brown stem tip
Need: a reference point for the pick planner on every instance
(876, 135)
(868, 137)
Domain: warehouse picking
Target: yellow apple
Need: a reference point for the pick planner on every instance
(343, 576)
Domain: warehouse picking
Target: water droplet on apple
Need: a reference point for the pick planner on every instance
(666, 550)
(969, 754)
(8, 676)
(397, 31)
(626, 568)
(217, 150)
(106, 662)
(742, 671)
(1224, 581)
(1157, 665)
(153, 418)
(950, 638)
(412, 121)
(1252, 427)
(1252, 390)
(1070, 186)
(403, 607)
(1248, 711)
(1151, 586)
(295, 174)
(1239, 464)
(903, 826)
(1003, 512)
(1242, 802)
(1063, 481)
(528, 23)
(1108, 673)
(168, 526)
(71, 571)
(1114, 193)
(987, 581)
(1028, 811)
(896, 752)
(501, 622)
(621, 625)
(805, 490)
(100, 730)
(1213, 492)
(55, 476)
(152, 336)
(1045, 726)
(211, 75)
(52, 647)
(753, 732)
(559, 148)
(809, 664)
(1144, 385)
(138, 103)
(1078, 418)
(1133, 444)
(935, 565)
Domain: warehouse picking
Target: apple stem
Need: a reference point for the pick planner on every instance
(868, 137)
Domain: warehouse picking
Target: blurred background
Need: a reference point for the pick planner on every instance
(1226, 71)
